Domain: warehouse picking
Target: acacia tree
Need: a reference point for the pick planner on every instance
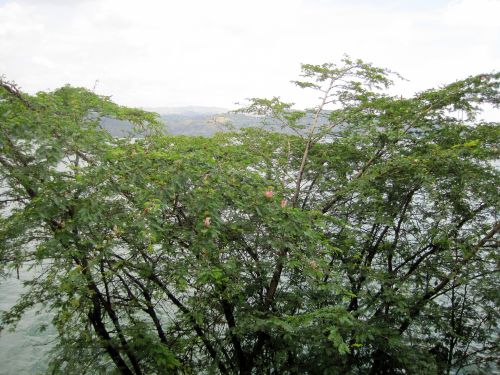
(413, 191)
(363, 243)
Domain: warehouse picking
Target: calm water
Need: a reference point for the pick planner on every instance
(23, 351)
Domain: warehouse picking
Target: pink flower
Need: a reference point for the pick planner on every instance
(268, 194)
(283, 203)
(206, 222)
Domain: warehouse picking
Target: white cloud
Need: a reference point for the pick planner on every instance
(160, 53)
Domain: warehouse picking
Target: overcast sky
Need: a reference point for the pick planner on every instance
(217, 52)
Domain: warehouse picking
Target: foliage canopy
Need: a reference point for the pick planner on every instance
(365, 243)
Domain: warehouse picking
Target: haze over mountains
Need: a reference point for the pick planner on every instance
(206, 121)
(190, 120)
(191, 109)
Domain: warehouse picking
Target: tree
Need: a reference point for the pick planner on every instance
(363, 243)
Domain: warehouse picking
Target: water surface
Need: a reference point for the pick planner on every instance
(24, 350)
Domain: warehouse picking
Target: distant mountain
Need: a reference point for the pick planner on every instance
(204, 121)
(192, 120)
(207, 124)
(185, 110)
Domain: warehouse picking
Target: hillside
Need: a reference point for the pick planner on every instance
(189, 121)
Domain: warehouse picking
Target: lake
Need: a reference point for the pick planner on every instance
(23, 351)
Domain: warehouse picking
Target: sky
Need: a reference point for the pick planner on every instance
(160, 53)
